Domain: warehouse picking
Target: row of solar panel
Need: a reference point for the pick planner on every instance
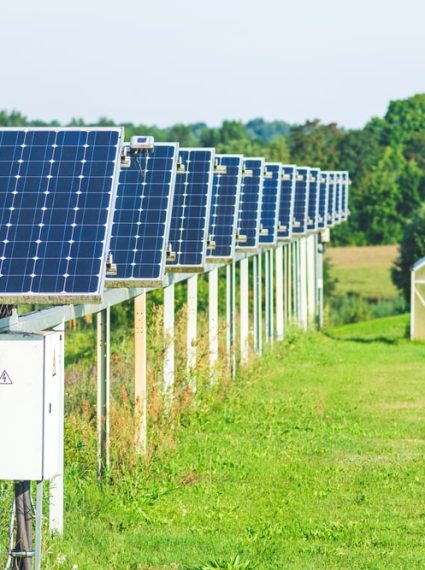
(80, 209)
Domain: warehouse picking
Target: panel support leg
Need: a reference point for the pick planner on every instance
(192, 328)
(303, 283)
(230, 316)
(169, 342)
(280, 316)
(213, 321)
(244, 311)
(140, 373)
(103, 390)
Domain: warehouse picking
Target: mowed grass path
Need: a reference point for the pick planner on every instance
(364, 270)
(315, 462)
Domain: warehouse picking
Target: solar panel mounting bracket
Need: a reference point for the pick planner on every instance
(170, 254)
(220, 168)
(111, 267)
(181, 169)
(241, 238)
(211, 244)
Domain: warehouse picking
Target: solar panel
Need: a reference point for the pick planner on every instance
(331, 200)
(287, 199)
(250, 205)
(57, 193)
(313, 200)
(323, 200)
(270, 204)
(142, 217)
(345, 186)
(302, 187)
(224, 208)
(191, 208)
(338, 196)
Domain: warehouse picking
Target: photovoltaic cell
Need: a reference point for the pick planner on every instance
(270, 204)
(142, 218)
(313, 200)
(323, 200)
(57, 193)
(302, 187)
(191, 208)
(287, 199)
(247, 237)
(224, 208)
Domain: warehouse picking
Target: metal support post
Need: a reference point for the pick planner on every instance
(140, 373)
(39, 525)
(271, 296)
(280, 313)
(267, 293)
(169, 341)
(320, 292)
(56, 485)
(103, 390)
(192, 328)
(244, 311)
(257, 305)
(303, 320)
(213, 320)
(311, 279)
(230, 316)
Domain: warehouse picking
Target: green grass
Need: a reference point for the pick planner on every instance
(364, 270)
(314, 461)
(374, 284)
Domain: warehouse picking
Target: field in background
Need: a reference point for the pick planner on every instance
(364, 270)
(314, 460)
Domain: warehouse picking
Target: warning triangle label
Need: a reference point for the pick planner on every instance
(5, 378)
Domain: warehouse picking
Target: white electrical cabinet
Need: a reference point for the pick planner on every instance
(31, 405)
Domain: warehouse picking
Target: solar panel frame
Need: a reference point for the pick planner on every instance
(66, 296)
(270, 204)
(323, 200)
(177, 265)
(313, 200)
(302, 188)
(287, 201)
(148, 195)
(250, 205)
(225, 198)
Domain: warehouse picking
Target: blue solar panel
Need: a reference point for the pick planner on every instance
(250, 205)
(302, 187)
(142, 218)
(338, 197)
(313, 200)
(331, 200)
(270, 204)
(191, 208)
(345, 185)
(224, 208)
(323, 200)
(287, 199)
(57, 190)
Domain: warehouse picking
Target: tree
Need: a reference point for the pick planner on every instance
(388, 196)
(412, 248)
(314, 144)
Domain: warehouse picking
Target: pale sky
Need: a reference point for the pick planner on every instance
(165, 62)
